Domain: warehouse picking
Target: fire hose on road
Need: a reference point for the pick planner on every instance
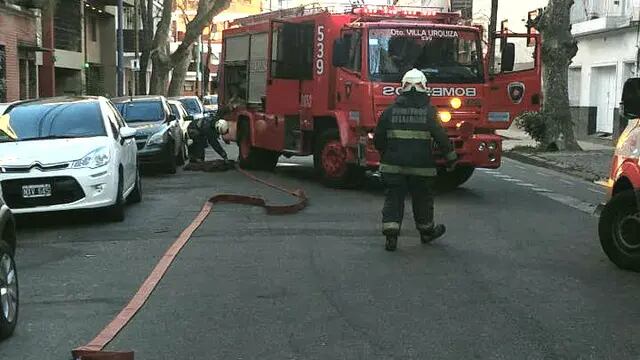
(94, 349)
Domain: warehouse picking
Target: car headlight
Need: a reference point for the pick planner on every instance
(95, 159)
(158, 138)
(629, 142)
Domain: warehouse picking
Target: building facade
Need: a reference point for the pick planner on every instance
(607, 36)
(18, 53)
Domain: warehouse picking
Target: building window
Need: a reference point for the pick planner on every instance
(28, 80)
(67, 25)
(129, 22)
(3, 74)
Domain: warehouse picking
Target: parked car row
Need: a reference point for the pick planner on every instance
(72, 153)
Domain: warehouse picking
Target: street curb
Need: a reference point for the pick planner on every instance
(538, 161)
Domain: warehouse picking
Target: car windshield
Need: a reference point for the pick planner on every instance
(211, 100)
(445, 56)
(192, 106)
(52, 121)
(141, 111)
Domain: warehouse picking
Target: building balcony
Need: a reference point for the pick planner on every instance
(593, 16)
(599, 25)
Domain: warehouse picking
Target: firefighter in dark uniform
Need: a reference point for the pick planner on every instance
(405, 137)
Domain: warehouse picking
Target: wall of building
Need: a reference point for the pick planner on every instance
(93, 26)
(612, 49)
(513, 11)
(68, 82)
(17, 26)
(108, 51)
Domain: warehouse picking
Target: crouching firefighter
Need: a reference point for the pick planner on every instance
(404, 137)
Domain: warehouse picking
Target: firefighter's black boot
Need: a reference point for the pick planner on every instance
(392, 238)
(392, 243)
(433, 233)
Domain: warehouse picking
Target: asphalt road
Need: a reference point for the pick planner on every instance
(519, 275)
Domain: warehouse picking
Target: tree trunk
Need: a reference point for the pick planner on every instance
(207, 9)
(558, 48)
(146, 13)
(160, 72)
(178, 76)
(207, 72)
(142, 74)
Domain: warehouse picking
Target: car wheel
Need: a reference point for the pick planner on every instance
(9, 294)
(116, 211)
(619, 230)
(136, 195)
(172, 165)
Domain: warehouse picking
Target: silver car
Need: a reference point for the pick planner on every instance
(8, 274)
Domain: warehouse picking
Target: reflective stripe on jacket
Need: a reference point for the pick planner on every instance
(406, 134)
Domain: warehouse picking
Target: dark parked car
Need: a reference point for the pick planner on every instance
(8, 275)
(160, 138)
(194, 107)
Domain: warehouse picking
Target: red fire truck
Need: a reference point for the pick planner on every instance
(314, 81)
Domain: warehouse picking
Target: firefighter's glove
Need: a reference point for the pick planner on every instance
(452, 159)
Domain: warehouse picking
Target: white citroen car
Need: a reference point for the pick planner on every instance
(67, 154)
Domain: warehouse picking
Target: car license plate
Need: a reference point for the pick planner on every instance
(36, 191)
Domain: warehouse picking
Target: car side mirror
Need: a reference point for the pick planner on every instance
(188, 118)
(631, 98)
(508, 57)
(340, 53)
(127, 132)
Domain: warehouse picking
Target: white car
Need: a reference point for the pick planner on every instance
(67, 154)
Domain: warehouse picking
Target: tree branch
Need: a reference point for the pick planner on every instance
(207, 9)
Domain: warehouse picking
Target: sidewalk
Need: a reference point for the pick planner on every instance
(592, 164)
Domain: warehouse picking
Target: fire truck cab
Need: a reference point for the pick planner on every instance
(312, 81)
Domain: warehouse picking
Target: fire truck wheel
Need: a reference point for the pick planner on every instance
(330, 160)
(253, 158)
(450, 180)
(619, 230)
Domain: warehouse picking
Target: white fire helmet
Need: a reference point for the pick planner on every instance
(414, 79)
(222, 127)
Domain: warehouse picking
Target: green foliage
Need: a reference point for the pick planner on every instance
(533, 124)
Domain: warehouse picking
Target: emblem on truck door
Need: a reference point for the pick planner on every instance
(516, 92)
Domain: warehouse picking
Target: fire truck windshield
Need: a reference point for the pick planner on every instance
(444, 55)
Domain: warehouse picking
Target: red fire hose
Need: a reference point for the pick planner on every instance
(93, 350)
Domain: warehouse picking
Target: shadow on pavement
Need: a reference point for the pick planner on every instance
(60, 219)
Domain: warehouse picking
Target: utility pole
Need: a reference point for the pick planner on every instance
(204, 91)
(198, 58)
(137, 47)
(120, 42)
(493, 21)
